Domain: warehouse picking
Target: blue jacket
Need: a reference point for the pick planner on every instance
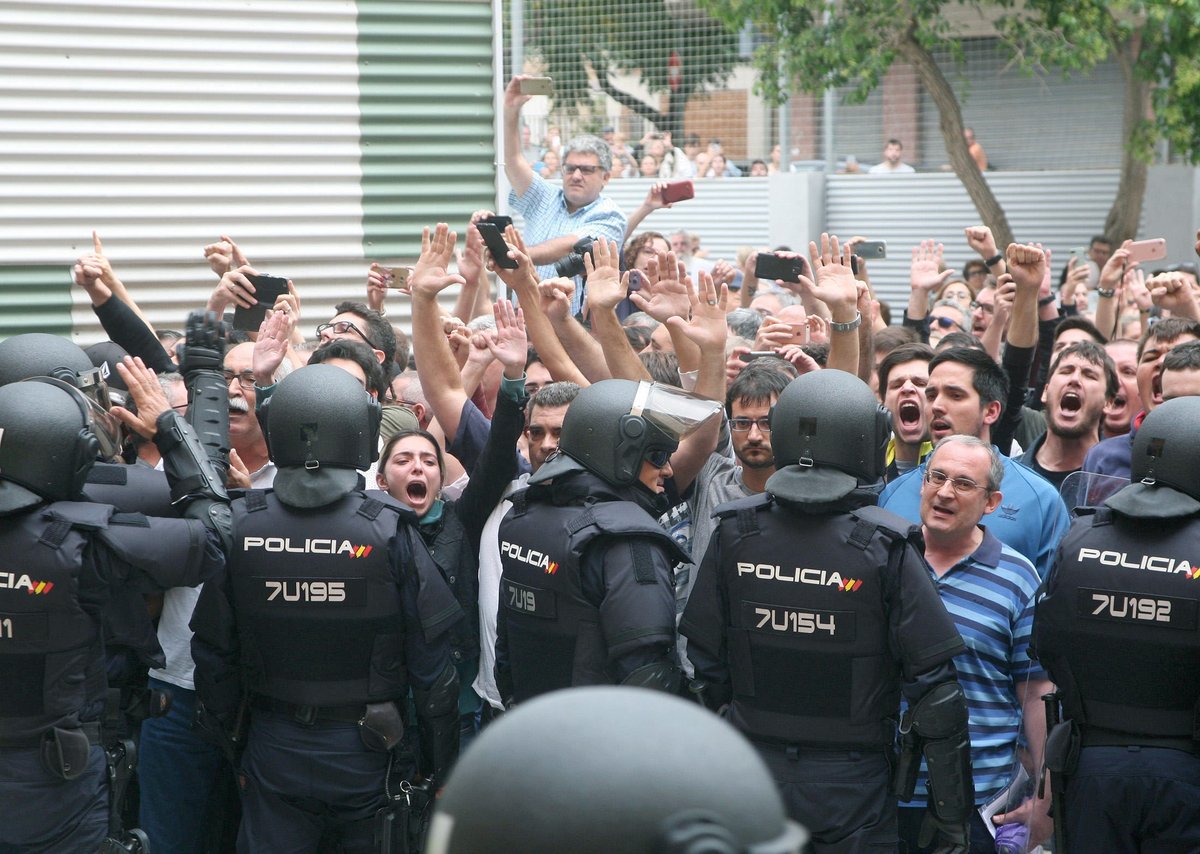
(1031, 518)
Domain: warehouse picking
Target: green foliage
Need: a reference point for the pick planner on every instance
(1156, 43)
(813, 44)
(630, 36)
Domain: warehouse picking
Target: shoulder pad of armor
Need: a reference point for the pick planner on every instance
(374, 501)
(619, 518)
(761, 501)
(80, 514)
(890, 524)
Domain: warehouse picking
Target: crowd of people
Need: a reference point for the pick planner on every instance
(315, 568)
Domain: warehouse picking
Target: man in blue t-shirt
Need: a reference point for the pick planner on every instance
(965, 395)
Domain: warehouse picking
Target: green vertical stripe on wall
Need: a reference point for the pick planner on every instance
(425, 100)
(35, 298)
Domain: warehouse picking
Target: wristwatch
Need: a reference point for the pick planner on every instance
(995, 259)
(849, 326)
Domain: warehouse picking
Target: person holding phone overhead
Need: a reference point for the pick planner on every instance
(556, 218)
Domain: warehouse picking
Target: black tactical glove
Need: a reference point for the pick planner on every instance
(204, 344)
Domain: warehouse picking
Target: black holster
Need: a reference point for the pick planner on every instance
(906, 766)
(401, 825)
(381, 727)
(65, 752)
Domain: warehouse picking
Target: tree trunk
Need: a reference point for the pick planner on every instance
(950, 115)
(673, 117)
(1122, 221)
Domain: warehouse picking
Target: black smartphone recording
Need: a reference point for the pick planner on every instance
(266, 290)
(494, 241)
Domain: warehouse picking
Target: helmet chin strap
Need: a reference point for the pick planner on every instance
(654, 503)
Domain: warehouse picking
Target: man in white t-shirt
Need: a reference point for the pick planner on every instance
(180, 771)
(892, 164)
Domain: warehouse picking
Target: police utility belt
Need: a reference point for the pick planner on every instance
(65, 752)
(1090, 736)
(379, 724)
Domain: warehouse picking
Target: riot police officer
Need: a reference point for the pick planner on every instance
(586, 595)
(65, 558)
(1118, 631)
(134, 489)
(812, 610)
(641, 779)
(130, 638)
(329, 612)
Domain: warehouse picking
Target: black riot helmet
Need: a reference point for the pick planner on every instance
(611, 770)
(612, 425)
(828, 434)
(47, 443)
(321, 427)
(36, 354)
(1165, 463)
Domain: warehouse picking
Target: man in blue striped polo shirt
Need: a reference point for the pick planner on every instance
(556, 218)
(988, 588)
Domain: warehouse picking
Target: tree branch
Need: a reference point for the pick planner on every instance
(626, 100)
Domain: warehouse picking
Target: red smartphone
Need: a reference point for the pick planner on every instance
(1147, 250)
(678, 191)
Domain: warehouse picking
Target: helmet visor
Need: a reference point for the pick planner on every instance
(105, 426)
(673, 411)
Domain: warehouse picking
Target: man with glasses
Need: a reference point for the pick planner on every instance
(355, 321)
(965, 395)
(983, 310)
(556, 218)
(988, 589)
(726, 477)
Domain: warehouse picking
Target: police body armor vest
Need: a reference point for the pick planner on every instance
(51, 657)
(317, 601)
(553, 632)
(1119, 627)
(808, 642)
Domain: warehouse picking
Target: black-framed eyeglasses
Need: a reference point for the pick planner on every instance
(569, 168)
(743, 425)
(342, 327)
(658, 459)
(946, 322)
(962, 485)
(245, 379)
(989, 308)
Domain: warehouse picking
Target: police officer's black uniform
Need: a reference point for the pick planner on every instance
(587, 596)
(1118, 630)
(73, 556)
(329, 612)
(812, 610)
